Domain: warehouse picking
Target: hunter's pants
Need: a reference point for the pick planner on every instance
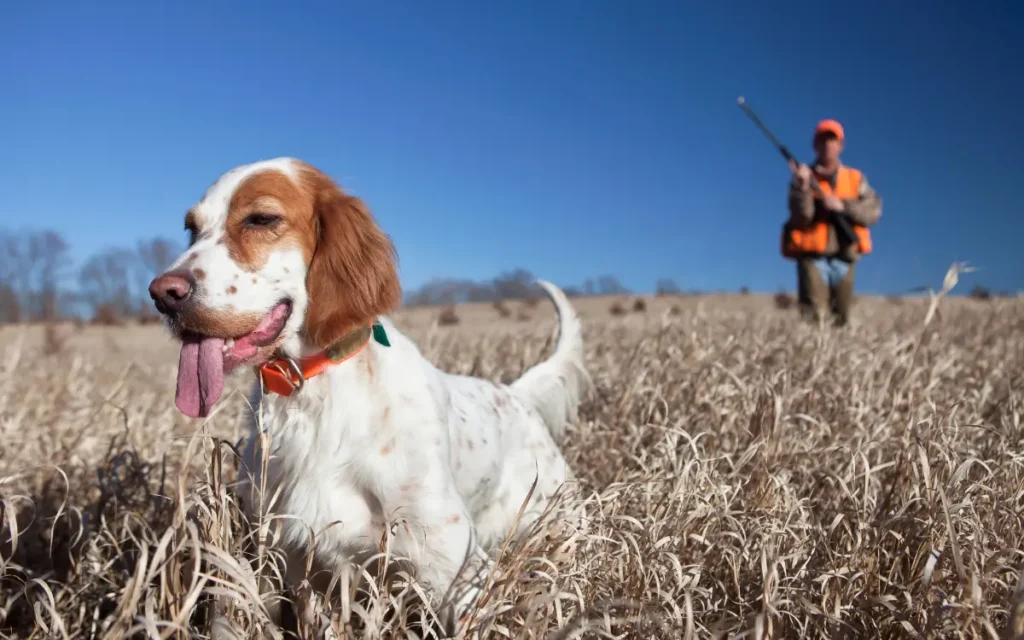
(825, 286)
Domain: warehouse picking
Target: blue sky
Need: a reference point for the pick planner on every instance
(574, 138)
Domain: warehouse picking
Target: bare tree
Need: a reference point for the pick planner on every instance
(108, 282)
(156, 254)
(667, 287)
(50, 253)
(516, 284)
(14, 273)
(610, 286)
(32, 267)
(449, 291)
(480, 292)
(437, 291)
(11, 309)
(10, 306)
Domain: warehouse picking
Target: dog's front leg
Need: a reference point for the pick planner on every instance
(438, 537)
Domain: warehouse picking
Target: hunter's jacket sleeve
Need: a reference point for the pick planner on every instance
(801, 205)
(866, 208)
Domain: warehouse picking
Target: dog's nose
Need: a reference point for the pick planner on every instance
(170, 291)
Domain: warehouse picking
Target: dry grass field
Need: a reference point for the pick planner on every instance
(750, 476)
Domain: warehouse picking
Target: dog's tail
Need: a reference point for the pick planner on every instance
(554, 386)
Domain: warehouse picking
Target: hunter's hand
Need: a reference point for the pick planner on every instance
(833, 203)
(802, 177)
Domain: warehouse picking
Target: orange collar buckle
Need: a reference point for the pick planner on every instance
(285, 376)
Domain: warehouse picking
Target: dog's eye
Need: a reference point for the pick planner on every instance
(261, 220)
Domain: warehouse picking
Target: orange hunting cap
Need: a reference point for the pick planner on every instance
(829, 126)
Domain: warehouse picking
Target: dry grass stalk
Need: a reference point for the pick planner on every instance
(749, 474)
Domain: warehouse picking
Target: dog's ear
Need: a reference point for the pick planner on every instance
(352, 276)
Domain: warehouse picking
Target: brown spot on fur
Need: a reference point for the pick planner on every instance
(193, 255)
(388, 446)
(384, 417)
(199, 274)
(232, 290)
(269, 192)
(453, 519)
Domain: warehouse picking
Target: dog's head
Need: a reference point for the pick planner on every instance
(279, 259)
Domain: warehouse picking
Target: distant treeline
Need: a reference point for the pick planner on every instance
(38, 282)
(516, 284)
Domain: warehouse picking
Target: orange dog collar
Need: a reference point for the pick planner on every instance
(284, 376)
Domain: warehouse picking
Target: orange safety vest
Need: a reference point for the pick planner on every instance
(814, 239)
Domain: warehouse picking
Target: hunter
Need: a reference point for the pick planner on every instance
(825, 262)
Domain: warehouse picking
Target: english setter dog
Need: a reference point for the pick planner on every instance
(289, 275)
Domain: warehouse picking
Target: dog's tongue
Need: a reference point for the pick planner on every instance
(200, 376)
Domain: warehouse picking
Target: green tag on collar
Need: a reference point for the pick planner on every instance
(380, 335)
